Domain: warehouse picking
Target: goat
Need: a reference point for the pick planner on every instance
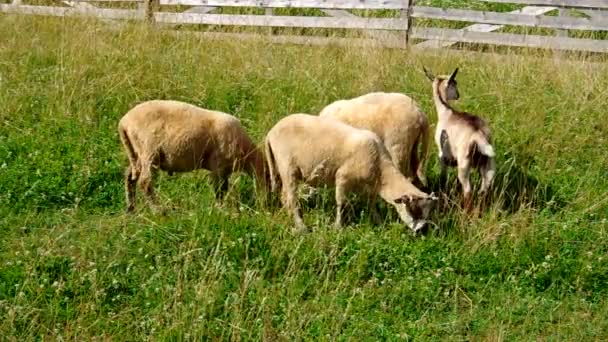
(463, 139)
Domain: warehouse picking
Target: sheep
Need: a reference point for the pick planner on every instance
(325, 151)
(179, 137)
(397, 120)
(463, 139)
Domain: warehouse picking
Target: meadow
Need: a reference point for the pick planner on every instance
(73, 265)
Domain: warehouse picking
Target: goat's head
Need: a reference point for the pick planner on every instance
(446, 84)
(418, 208)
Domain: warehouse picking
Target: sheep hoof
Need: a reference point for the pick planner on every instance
(300, 230)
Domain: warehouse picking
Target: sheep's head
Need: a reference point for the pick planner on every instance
(446, 84)
(415, 210)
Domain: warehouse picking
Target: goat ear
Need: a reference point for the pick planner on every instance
(428, 74)
(453, 75)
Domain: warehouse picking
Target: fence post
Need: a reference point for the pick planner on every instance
(562, 12)
(151, 7)
(407, 14)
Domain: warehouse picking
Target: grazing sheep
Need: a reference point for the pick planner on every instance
(463, 139)
(303, 147)
(397, 120)
(180, 137)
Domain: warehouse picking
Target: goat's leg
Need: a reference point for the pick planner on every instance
(445, 156)
(463, 178)
(443, 174)
(130, 188)
(487, 172)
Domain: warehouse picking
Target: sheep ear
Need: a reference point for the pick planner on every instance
(428, 74)
(405, 199)
(453, 75)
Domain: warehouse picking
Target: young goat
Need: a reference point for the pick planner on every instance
(316, 150)
(178, 137)
(463, 139)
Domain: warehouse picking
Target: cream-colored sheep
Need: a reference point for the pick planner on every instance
(317, 151)
(464, 140)
(397, 120)
(179, 137)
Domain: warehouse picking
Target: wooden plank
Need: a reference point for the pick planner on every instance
(563, 22)
(103, 13)
(562, 12)
(281, 21)
(333, 4)
(107, 0)
(557, 3)
(199, 9)
(376, 34)
(508, 39)
(87, 6)
(529, 10)
(292, 39)
(596, 14)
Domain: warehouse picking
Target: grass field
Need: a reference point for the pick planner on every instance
(74, 266)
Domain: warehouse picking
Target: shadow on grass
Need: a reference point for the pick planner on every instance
(514, 187)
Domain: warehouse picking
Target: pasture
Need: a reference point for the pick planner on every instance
(73, 265)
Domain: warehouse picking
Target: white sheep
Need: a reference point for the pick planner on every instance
(397, 120)
(318, 151)
(463, 139)
(179, 137)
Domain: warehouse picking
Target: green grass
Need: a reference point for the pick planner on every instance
(74, 266)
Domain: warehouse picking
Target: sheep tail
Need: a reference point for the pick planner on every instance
(483, 144)
(126, 141)
(272, 171)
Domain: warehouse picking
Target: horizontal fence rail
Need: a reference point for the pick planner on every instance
(388, 31)
(329, 4)
(557, 3)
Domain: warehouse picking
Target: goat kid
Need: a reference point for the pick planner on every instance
(463, 139)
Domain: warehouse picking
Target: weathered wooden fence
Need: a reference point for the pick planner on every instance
(396, 31)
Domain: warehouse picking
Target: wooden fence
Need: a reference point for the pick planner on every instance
(397, 31)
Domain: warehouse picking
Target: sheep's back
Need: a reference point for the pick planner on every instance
(318, 147)
(182, 134)
(392, 116)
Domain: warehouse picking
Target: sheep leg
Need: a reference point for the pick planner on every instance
(290, 201)
(463, 178)
(145, 183)
(130, 182)
(373, 211)
(341, 191)
(220, 181)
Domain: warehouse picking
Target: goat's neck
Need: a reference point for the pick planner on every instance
(441, 104)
